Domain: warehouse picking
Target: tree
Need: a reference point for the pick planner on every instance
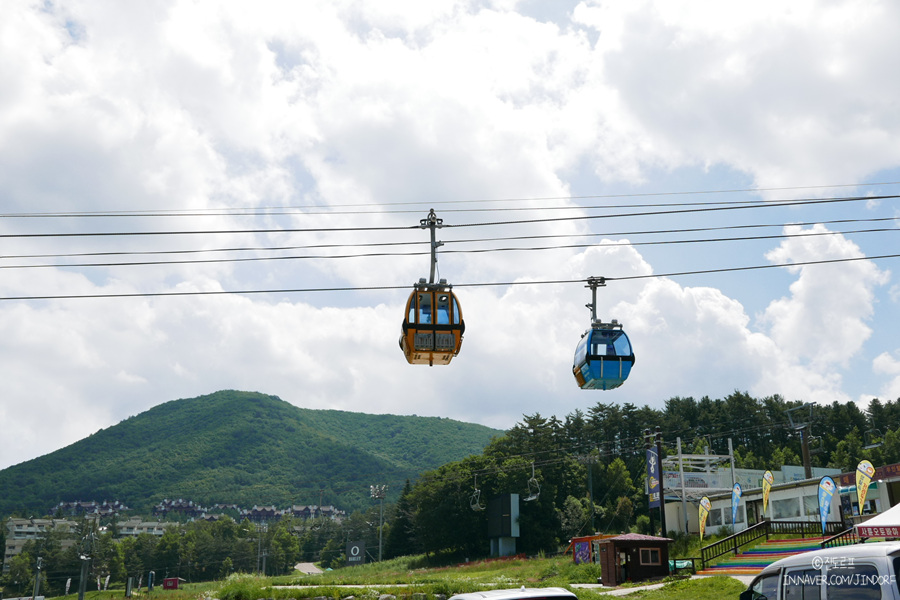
(167, 554)
(848, 454)
(401, 538)
(572, 517)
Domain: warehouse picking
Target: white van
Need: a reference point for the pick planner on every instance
(857, 572)
(522, 593)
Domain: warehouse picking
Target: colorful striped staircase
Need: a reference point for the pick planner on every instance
(754, 560)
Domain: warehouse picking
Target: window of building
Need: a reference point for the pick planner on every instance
(811, 506)
(650, 556)
(786, 509)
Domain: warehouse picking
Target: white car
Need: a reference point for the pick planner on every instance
(522, 593)
(857, 572)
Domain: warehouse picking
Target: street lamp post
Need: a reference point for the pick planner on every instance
(379, 492)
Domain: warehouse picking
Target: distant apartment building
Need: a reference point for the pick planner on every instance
(20, 531)
(135, 526)
(311, 511)
(103, 509)
(178, 508)
(262, 514)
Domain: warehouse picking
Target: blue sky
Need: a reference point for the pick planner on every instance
(366, 114)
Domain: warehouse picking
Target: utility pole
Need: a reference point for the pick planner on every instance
(801, 425)
(589, 460)
(379, 492)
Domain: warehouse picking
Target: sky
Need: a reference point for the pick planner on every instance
(276, 147)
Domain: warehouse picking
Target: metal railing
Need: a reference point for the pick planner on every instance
(732, 543)
(844, 538)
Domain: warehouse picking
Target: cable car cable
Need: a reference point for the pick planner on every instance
(260, 211)
(467, 251)
(474, 240)
(384, 254)
(406, 287)
(457, 225)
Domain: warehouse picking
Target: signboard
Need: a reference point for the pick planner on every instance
(864, 472)
(735, 501)
(356, 553)
(653, 482)
(826, 491)
(768, 480)
(705, 507)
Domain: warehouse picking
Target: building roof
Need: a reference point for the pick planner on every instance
(639, 537)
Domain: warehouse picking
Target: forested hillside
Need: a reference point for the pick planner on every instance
(608, 440)
(256, 440)
(243, 448)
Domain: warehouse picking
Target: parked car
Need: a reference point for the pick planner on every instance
(522, 593)
(857, 572)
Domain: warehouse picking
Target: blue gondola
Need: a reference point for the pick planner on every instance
(603, 357)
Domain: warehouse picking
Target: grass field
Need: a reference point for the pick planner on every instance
(407, 579)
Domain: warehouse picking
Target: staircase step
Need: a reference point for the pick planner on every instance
(754, 560)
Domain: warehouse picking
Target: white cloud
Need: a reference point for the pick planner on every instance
(824, 320)
(402, 106)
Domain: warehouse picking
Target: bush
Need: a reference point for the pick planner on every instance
(243, 586)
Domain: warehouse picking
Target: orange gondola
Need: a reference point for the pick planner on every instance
(433, 327)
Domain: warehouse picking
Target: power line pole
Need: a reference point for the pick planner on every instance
(800, 423)
(589, 460)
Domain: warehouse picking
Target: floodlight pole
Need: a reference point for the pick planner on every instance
(380, 491)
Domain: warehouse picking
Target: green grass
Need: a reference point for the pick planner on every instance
(708, 588)
(407, 579)
(186, 591)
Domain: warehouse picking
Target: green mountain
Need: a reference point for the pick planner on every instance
(240, 448)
